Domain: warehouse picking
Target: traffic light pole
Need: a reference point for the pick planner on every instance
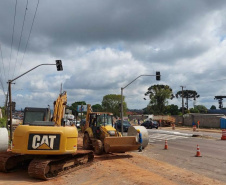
(10, 99)
(157, 75)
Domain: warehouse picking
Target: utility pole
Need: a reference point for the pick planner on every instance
(6, 109)
(59, 68)
(158, 77)
(183, 103)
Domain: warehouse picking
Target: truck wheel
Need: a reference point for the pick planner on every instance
(86, 142)
(98, 147)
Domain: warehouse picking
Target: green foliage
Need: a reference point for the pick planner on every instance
(111, 102)
(97, 108)
(74, 106)
(213, 107)
(201, 108)
(186, 111)
(172, 110)
(158, 95)
(187, 95)
(194, 110)
(3, 122)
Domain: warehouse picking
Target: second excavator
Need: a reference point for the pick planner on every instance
(101, 136)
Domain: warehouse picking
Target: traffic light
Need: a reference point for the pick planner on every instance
(59, 65)
(158, 75)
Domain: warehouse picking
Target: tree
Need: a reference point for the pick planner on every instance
(188, 94)
(172, 110)
(194, 110)
(201, 108)
(74, 106)
(112, 102)
(158, 95)
(97, 108)
(213, 107)
(3, 120)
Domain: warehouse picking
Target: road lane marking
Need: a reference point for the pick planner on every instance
(160, 137)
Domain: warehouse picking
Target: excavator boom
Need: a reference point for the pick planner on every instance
(59, 108)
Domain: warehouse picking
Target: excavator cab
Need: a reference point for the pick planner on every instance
(32, 114)
(100, 121)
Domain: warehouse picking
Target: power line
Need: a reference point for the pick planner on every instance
(2, 63)
(12, 36)
(2, 87)
(29, 35)
(20, 37)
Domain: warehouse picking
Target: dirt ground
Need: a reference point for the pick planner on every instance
(111, 169)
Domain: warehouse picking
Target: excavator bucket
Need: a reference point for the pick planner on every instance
(120, 144)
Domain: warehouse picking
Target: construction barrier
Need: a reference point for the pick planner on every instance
(223, 135)
(198, 153)
(173, 126)
(132, 131)
(166, 145)
(4, 139)
(194, 127)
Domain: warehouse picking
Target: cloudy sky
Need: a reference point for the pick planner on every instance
(105, 44)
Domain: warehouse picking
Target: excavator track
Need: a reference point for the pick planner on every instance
(10, 161)
(49, 168)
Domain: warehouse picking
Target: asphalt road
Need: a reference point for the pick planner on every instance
(183, 148)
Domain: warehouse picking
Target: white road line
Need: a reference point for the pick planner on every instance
(159, 137)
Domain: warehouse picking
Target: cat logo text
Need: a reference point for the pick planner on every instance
(44, 142)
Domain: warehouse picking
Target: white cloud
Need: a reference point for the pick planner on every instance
(104, 45)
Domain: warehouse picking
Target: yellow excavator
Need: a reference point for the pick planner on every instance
(101, 136)
(48, 147)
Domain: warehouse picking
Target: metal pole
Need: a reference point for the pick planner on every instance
(7, 110)
(29, 71)
(10, 108)
(10, 98)
(122, 111)
(81, 112)
(122, 99)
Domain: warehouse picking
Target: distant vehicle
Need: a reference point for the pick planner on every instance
(150, 124)
(82, 124)
(126, 125)
(77, 124)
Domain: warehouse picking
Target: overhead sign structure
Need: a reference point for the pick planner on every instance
(82, 108)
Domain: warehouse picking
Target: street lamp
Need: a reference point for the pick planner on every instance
(59, 68)
(157, 78)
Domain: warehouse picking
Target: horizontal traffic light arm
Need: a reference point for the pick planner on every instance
(136, 79)
(29, 71)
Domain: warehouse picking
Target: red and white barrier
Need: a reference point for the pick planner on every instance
(223, 135)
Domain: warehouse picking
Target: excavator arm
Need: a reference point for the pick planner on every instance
(59, 108)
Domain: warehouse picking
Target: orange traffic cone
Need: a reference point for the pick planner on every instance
(198, 154)
(223, 135)
(166, 145)
(194, 127)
